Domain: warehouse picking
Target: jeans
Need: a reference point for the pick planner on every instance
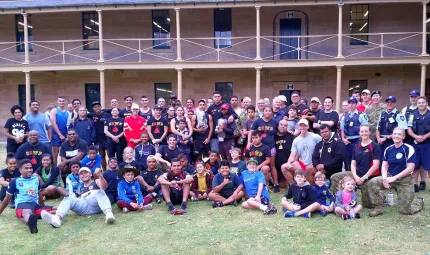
(96, 202)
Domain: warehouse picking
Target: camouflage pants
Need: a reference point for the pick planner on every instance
(405, 194)
(364, 188)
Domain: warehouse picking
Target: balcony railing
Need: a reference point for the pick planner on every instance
(217, 49)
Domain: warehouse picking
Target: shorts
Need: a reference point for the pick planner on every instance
(226, 194)
(422, 152)
(176, 196)
(324, 203)
(56, 141)
(302, 165)
(36, 208)
(304, 205)
(200, 148)
(264, 200)
(273, 152)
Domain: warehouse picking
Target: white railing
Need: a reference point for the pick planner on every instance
(8, 54)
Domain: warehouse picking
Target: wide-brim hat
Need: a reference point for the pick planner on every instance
(128, 168)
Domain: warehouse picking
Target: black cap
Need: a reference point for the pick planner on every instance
(376, 92)
(173, 96)
(95, 103)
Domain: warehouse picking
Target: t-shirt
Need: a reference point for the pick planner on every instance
(293, 124)
(24, 189)
(72, 183)
(398, 158)
(268, 130)
(176, 177)
(251, 182)
(39, 122)
(92, 164)
(168, 154)
(151, 177)
(238, 167)
(190, 169)
(124, 113)
(112, 180)
(141, 153)
(229, 188)
(364, 157)
(248, 125)
(327, 116)
(99, 125)
(115, 127)
(9, 176)
(157, 126)
(17, 128)
(259, 153)
(69, 151)
(132, 164)
(305, 147)
(33, 153)
(212, 167)
(283, 147)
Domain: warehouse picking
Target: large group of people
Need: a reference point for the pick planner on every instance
(229, 153)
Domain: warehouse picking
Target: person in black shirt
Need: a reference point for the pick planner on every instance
(8, 174)
(33, 150)
(327, 116)
(166, 153)
(114, 131)
(99, 118)
(16, 129)
(283, 143)
(126, 112)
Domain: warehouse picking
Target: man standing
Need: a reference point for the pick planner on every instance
(356, 94)
(134, 125)
(365, 100)
(145, 110)
(278, 114)
(113, 104)
(295, 99)
(283, 143)
(327, 117)
(59, 118)
(124, 113)
(202, 130)
(234, 102)
(283, 107)
(39, 122)
(157, 127)
(410, 109)
(315, 110)
(99, 117)
(33, 150)
(84, 126)
(373, 112)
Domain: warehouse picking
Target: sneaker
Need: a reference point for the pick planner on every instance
(158, 199)
(357, 216)
(346, 217)
(174, 211)
(323, 213)
(306, 215)
(375, 212)
(423, 185)
(289, 214)
(276, 188)
(235, 203)
(32, 223)
(284, 210)
(125, 210)
(110, 218)
(416, 188)
(54, 220)
(147, 207)
(217, 204)
(270, 183)
(271, 209)
(194, 199)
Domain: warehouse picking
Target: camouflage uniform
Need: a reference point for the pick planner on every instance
(373, 112)
(242, 118)
(364, 188)
(405, 194)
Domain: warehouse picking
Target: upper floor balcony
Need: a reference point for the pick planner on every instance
(227, 35)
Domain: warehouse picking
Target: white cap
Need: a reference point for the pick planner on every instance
(315, 99)
(135, 106)
(282, 98)
(84, 169)
(304, 121)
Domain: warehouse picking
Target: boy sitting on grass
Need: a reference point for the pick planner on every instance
(322, 193)
(202, 184)
(255, 186)
(130, 197)
(150, 176)
(303, 197)
(112, 179)
(227, 187)
(72, 180)
(92, 160)
(237, 166)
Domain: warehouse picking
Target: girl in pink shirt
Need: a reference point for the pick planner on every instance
(346, 205)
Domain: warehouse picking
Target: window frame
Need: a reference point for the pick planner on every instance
(220, 27)
(159, 42)
(362, 38)
(86, 45)
(165, 94)
(22, 100)
(20, 35)
(225, 96)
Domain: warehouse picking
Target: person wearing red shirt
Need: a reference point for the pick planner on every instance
(134, 125)
(365, 97)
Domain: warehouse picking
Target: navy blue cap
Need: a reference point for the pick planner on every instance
(376, 92)
(352, 100)
(391, 98)
(158, 106)
(414, 93)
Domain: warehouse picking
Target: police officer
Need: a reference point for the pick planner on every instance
(409, 109)
(350, 127)
(419, 130)
(373, 112)
(388, 120)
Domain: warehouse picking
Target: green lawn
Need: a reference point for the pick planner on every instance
(227, 230)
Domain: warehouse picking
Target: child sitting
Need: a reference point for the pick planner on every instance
(184, 144)
(261, 153)
(255, 186)
(347, 206)
(151, 179)
(322, 193)
(72, 180)
(7, 175)
(92, 160)
(143, 150)
(129, 160)
(226, 186)
(212, 164)
(130, 197)
(49, 177)
(302, 195)
(202, 183)
(112, 179)
(237, 166)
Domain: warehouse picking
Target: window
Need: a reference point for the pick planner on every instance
(21, 95)
(359, 24)
(226, 90)
(92, 93)
(90, 30)
(163, 90)
(222, 27)
(161, 29)
(357, 85)
(19, 26)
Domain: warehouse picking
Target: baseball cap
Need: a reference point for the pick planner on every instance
(391, 98)
(365, 91)
(352, 100)
(173, 96)
(282, 98)
(250, 160)
(376, 92)
(316, 99)
(303, 121)
(158, 106)
(95, 103)
(84, 169)
(135, 106)
(224, 107)
(414, 93)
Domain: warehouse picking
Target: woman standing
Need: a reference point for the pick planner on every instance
(114, 131)
(174, 123)
(16, 129)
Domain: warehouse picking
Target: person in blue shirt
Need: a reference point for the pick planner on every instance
(254, 183)
(143, 150)
(397, 166)
(92, 160)
(322, 193)
(29, 202)
(225, 187)
(72, 180)
(84, 127)
(130, 197)
(112, 179)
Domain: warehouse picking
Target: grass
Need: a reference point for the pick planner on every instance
(226, 230)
